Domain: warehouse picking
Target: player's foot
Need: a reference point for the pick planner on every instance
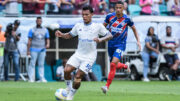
(68, 90)
(127, 70)
(104, 89)
(69, 98)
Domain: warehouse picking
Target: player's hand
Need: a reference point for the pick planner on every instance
(58, 33)
(97, 40)
(139, 45)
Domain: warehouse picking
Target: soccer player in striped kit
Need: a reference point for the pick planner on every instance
(118, 26)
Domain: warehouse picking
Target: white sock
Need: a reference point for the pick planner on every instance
(72, 92)
(68, 84)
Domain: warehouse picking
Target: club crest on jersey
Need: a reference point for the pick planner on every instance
(123, 23)
(118, 51)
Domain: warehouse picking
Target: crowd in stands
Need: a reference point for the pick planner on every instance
(144, 7)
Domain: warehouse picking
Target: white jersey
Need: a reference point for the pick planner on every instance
(86, 33)
(169, 42)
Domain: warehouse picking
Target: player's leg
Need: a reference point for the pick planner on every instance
(67, 76)
(71, 65)
(76, 84)
(84, 68)
(113, 65)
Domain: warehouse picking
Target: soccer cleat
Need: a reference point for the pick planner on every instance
(104, 89)
(68, 90)
(69, 98)
(128, 70)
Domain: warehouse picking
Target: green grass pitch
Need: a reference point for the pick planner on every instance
(90, 91)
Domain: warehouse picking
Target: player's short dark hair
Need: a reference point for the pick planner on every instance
(120, 2)
(168, 27)
(38, 17)
(88, 7)
(17, 22)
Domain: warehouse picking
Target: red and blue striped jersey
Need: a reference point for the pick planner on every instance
(118, 28)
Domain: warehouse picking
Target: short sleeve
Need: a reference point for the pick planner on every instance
(177, 41)
(107, 19)
(130, 22)
(102, 30)
(73, 32)
(47, 34)
(30, 34)
(162, 41)
(147, 40)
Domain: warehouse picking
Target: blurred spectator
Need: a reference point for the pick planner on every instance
(112, 6)
(67, 6)
(2, 3)
(79, 4)
(146, 7)
(131, 1)
(12, 37)
(169, 45)
(2, 40)
(39, 6)
(169, 4)
(60, 70)
(37, 44)
(53, 6)
(103, 7)
(28, 6)
(112, 3)
(176, 8)
(11, 6)
(95, 6)
(155, 7)
(150, 51)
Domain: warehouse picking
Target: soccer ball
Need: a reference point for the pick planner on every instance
(54, 26)
(61, 94)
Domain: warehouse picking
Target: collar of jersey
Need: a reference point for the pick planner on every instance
(114, 13)
(88, 24)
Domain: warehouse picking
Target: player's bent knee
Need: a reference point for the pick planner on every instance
(77, 80)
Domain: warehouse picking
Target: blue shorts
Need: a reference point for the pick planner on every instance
(115, 52)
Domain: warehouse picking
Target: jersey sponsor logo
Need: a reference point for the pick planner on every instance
(85, 40)
(115, 29)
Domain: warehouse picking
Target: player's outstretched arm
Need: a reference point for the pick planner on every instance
(105, 38)
(63, 35)
(137, 37)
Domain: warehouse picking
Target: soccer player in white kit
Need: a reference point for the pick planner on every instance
(86, 53)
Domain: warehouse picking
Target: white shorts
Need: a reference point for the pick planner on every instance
(81, 63)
